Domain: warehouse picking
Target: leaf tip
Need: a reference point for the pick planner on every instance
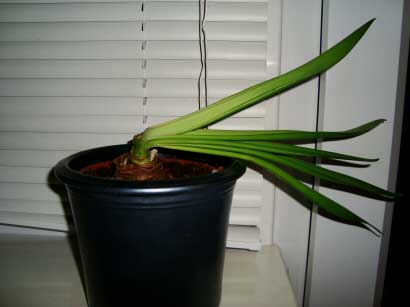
(377, 122)
(367, 25)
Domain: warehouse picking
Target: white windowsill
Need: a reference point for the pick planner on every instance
(41, 271)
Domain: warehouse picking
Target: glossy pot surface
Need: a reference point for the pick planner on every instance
(150, 243)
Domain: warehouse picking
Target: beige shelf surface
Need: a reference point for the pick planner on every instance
(41, 271)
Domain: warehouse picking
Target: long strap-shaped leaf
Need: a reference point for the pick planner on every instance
(259, 92)
(279, 135)
(322, 201)
(335, 177)
(276, 148)
(301, 166)
(288, 149)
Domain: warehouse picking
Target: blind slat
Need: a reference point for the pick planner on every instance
(245, 216)
(71, 69)
(246, 199)
(106, 124)
(154, 30)
(229, 50)
(45, 221)
(71, 50)
(32, 191)
(72, 124)
(70, 31)
(217, 69)
(181, 106)
(32, 158)
(25, 174)
(216, 11)
(94, 50)
(52, 12)
(244, 237)
(118, 87)
(188, 87)
(59, 141)
(186, 30)
(130, 11)
(25, 206)
(71, 87)
(15, 106)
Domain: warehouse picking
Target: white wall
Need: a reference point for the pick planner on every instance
(301, 22)
(361, 88)
(343, 260)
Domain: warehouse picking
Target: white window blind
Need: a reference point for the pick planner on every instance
(76, 75)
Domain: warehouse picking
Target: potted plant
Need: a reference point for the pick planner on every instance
(151, 216)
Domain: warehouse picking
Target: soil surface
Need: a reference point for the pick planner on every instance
(159, 169)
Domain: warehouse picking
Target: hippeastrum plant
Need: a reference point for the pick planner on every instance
(270, 150)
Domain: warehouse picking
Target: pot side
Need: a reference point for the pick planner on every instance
(156, 243)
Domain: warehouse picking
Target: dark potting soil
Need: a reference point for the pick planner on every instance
(161, 169)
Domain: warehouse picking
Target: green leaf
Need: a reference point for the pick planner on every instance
(335, 177)
(259, 92)
(301, 166)
(277, 148)
(287, 149)
(279, 135)
(187, 134)
(322, 201)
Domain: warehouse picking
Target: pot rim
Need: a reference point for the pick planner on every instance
(66, 171)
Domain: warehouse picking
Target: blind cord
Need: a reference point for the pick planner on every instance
(144, 69)
(203, 52)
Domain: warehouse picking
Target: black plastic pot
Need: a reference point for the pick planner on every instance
(151, 243)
